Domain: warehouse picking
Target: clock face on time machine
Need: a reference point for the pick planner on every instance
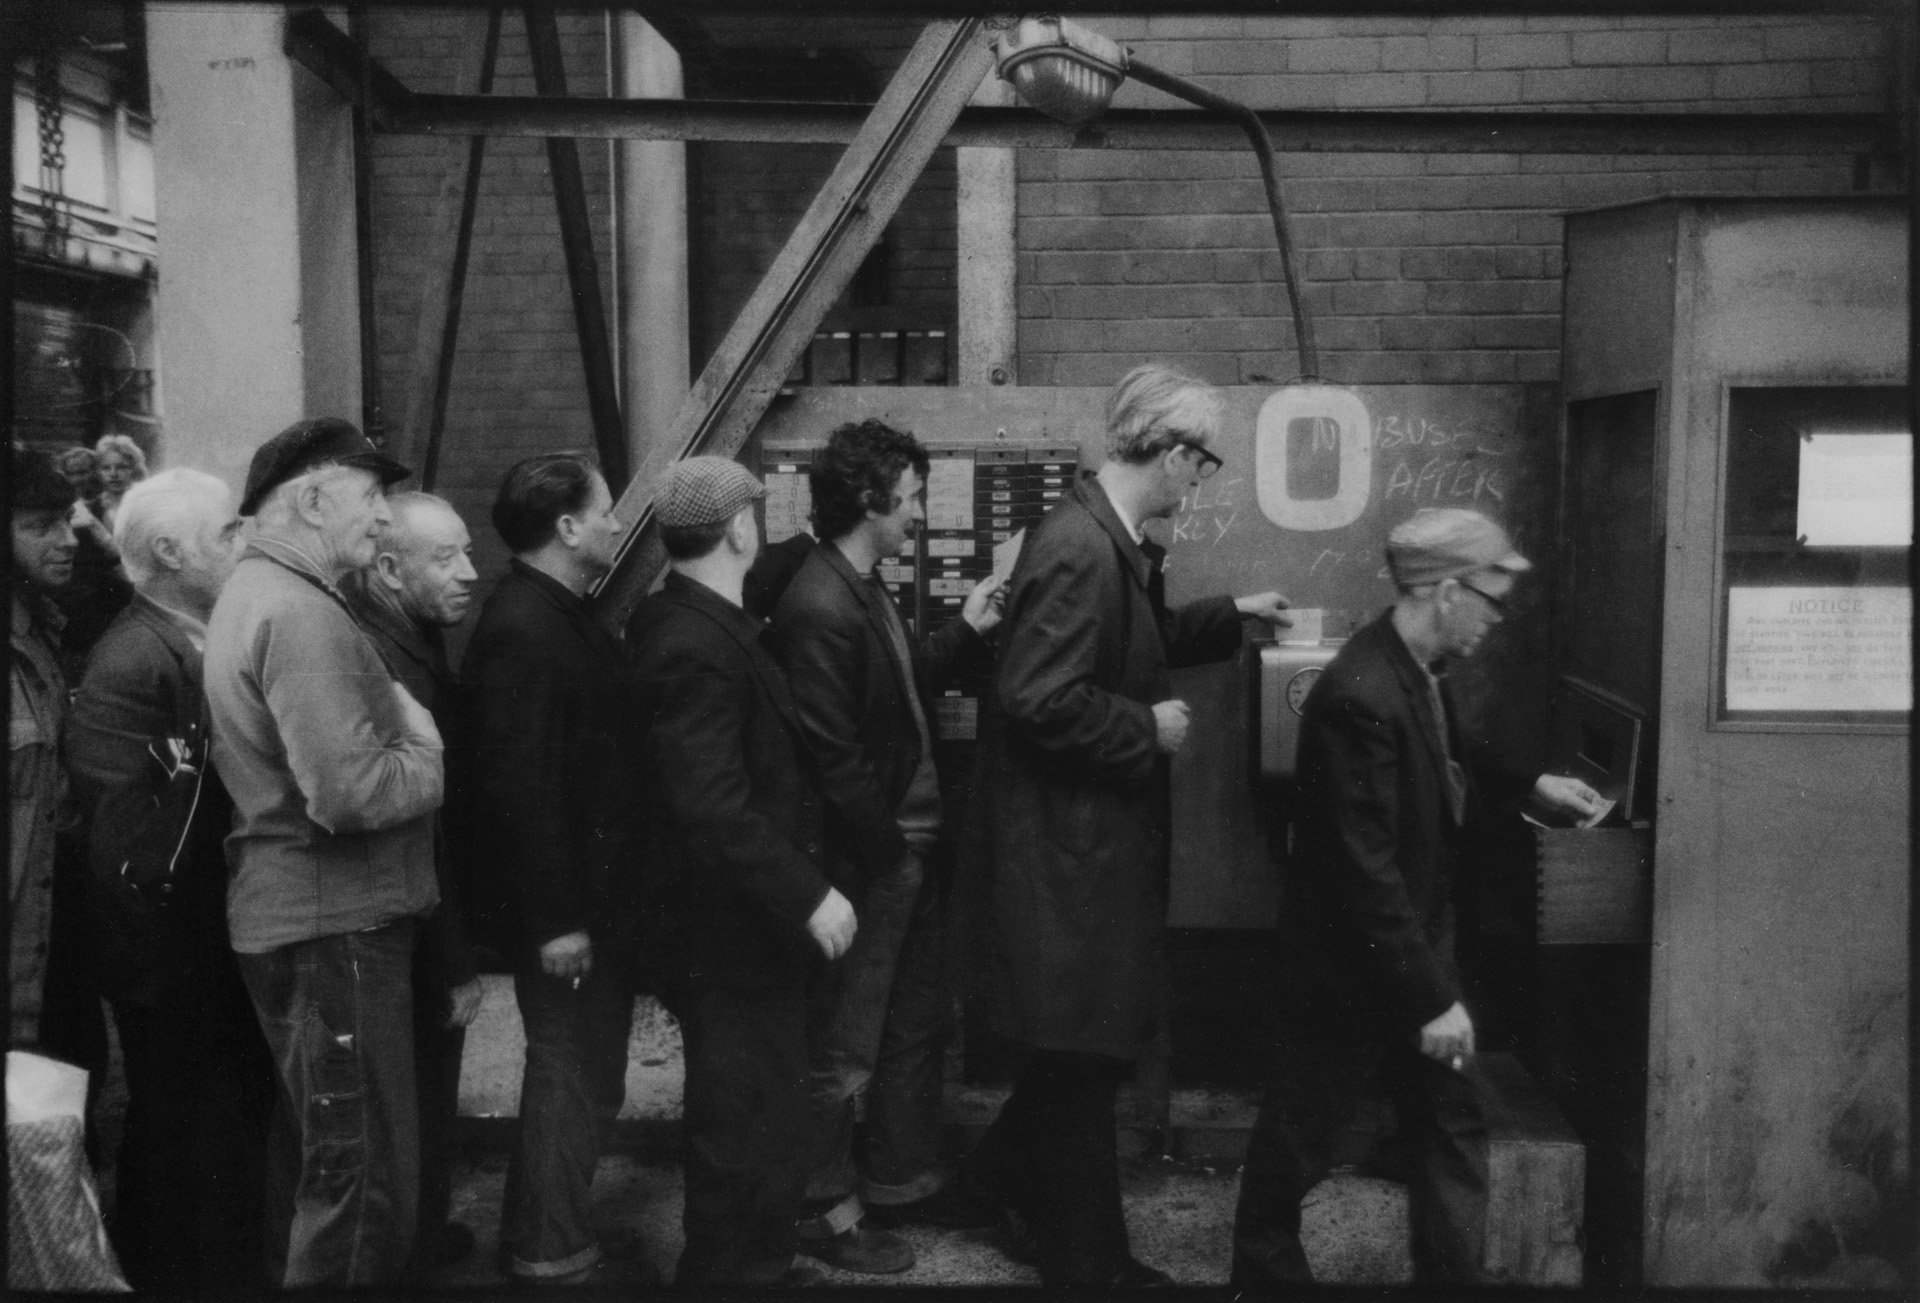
(1299, 686)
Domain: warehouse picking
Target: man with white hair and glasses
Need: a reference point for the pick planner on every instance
(191, 1165)
(335, 772)
(1074, 797)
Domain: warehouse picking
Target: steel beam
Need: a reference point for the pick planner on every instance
(583, 269)
(839, 228)
(443, 289)
(1330, 131)
(312, 41)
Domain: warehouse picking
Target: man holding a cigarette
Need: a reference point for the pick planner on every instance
(556, 768)
(1390, 786)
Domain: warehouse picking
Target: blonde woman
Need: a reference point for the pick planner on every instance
(121, 465)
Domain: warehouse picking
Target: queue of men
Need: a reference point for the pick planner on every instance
(301, 827)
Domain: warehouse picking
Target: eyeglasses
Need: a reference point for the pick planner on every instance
(1499, 604)
(1209, 463)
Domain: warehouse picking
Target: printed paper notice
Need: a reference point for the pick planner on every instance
(950, 493)
(1856, 490)
(1819, 649)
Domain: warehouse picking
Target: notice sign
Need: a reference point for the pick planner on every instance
(1819, 649)
(1856, 490)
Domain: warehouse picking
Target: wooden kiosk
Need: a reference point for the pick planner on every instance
(1736, 527)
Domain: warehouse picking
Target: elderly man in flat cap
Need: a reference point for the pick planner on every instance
(335, 774)
(1389, 787)
(747, 917)
(556, 769)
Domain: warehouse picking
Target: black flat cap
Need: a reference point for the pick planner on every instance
(322, 441)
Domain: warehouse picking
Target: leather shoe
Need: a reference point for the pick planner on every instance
(801, 1275)
(860, 1248)
(1138, 1275)
(955, 1206)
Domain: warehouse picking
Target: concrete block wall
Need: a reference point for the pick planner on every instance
(1436, 268)
(518, 387)
(1419, 269)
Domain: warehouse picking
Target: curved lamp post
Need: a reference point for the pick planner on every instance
(1070, 74)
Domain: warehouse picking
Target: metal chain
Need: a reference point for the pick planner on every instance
(53, 157)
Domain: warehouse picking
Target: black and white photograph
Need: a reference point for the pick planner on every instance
(880, 645)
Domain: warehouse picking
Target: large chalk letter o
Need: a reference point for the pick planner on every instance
(1348, 416)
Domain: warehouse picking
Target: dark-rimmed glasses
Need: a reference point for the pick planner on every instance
(1210, 462)
(1499, 604)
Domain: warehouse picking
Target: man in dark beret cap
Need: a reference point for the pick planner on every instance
(335, 773)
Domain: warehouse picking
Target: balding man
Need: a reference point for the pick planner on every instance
(420, 585)
(191, 1167)
(335, 772)
(1390, 788)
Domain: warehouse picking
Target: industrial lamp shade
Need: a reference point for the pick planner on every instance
(1061, 68)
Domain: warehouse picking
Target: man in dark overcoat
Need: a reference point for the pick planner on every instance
(1390, 787)
(190, 1175)
(556, 769)
(745, 916)
(1073, 800)
(420, 585)
(864, 688)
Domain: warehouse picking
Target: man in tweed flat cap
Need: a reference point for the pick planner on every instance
(746, 918)
(1391, 787)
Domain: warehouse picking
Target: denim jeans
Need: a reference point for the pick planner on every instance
(570, 1092)
(1308, 1104)
(880, 1028)
(338, 1017)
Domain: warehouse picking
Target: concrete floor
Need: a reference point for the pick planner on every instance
(1180, 1214)
(1180, 1218)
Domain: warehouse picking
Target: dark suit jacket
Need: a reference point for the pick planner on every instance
(154, 813)
(855, 707)
(1072, 798)
(417, 655)
(1366, 916)
(556, 767)
(733, 817)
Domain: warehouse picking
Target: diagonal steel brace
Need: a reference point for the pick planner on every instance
(841, 226)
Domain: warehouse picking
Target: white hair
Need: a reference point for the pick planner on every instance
(179, 504)
(277, 511)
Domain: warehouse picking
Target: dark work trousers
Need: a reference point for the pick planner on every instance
(1308, 1103)
(881, 1021)
(570, 1093)
(1050, 1156)
(191, 1171)
(437, 1050)
(344, 1171)
(73, 1017)
(746, 1122)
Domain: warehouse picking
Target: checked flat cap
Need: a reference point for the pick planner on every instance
(704, 491)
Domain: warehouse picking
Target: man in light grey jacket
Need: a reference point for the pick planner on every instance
(335, 773)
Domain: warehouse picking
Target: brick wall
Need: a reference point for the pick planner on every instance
(1417, 268)
(518, 387)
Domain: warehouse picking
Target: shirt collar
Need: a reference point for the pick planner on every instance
(1132, 526)
(194, 629)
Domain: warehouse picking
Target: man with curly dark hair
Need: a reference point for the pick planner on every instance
(864, 688)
